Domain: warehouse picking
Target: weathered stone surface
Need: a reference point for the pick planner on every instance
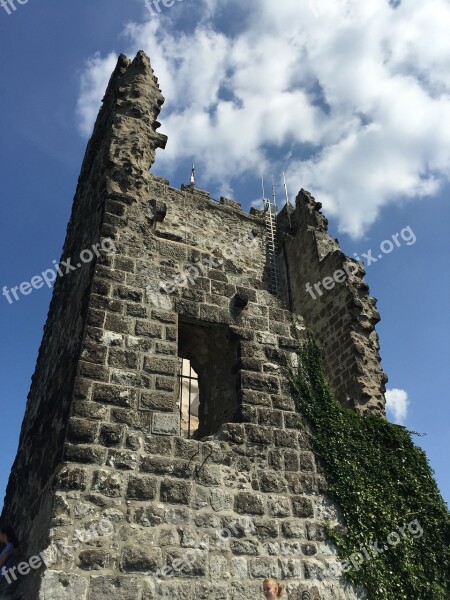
(249, 503)
(66, 586)
(106, 587)
(107, 483)
(104, 441)
(302, 507)
(175, 492)
(141, 488)
(135, 558)
(165, 424)
(92, 560)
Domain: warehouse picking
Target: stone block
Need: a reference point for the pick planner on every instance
(291, 461)
(117, 324)
(165, 349)
(263, 567)
(283, 403)
(293, 529)
(249, 503)
(290, 548)
(293, 421)
(314, 569)
(93, 352)
(271, 418)
(219, 567)
(123, 263)
(244, 547)
(94, 455)
(260, 382)
(190, 563)
(165, 424)
(111, 435)
(214, 314)
(256, 398)
(168, 536)
(291, 568)
(136, 310)
(209, 475)
(92, 371)
(285, 439)
(165, 466)
(161, 446)
(161, 366)
(107, 483)
(271, 481)
(120, 587)
(149, 516)
(140, 420)
(199, 498)
(71, 479)
(276, 460)
(126, 293)
(302, 507)
(123, 359)
(164, 316)
(64, 586)
(316, 532)
(166, 384)
(278, 506)
(307, 462)
(149, 329)
(158, 401)
(187, 449)
(309, 549)
(221, 500)
(266, 528)
(175, 492)
(178, 515)
(94, 560)
(82, 431)
(257, 434)
(122, 459)
(118, 396)
(208, 521)
(137, 558)
(239, 568)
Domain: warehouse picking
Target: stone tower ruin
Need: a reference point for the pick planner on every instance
(122, 491)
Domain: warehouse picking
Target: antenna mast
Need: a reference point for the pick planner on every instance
(288, 204)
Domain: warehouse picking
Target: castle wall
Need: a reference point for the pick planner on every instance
(124, 495)
(327, 288)
(29, 495)
(171, 501)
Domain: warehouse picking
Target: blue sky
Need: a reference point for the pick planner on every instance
(352, 101)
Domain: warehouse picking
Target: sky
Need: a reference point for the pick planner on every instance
(351, 99)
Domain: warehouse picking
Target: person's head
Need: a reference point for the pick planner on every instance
(7, 535)
(272, 589)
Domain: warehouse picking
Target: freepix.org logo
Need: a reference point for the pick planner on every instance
(9, 6)
(154, 6)
(64, 267)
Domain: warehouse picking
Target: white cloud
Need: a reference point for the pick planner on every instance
(351, 98)
(92, 87)
(397, 404)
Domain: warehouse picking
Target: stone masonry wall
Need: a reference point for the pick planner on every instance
(340, 312)
(29, 495)
(125, 460)
(188, 278)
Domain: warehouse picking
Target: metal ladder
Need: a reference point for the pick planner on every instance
(274, 282)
